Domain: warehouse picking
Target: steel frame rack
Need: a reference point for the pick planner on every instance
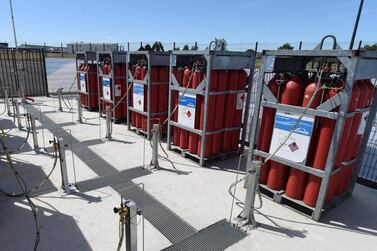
(216, 60)
(359, 65)
(114, 57)
(153, 58)
(87, 57)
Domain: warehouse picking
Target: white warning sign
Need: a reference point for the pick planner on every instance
(118, 90)
(297, 145)
(186, 110)
(82, 82)
(106, 91)
(138, 96)
(241, 97)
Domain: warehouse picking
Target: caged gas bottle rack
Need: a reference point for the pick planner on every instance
(340, 127)
(86, 67)
(147, 82)
(112, 76)
(209, 93)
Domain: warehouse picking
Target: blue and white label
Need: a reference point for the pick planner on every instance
(186, 109)
(106, 91)
(82, 82)
(138, 96)
(295, 148)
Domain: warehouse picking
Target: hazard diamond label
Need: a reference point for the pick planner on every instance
(241, 97)
(138, 96)
(186, 110)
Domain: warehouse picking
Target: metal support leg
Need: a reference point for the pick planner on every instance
(60, 96)
(155, 142)
(6, 102)
(251, 184)
(34, 132)
(79, 110)
(17, 113)
(108, 124)
(63, 165)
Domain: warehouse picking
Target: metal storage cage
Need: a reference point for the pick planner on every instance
(112, 77)
(148, 73)
(86, 67)
(354, 66)
(210, 123)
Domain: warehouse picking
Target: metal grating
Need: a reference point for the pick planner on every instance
(173, 227)
(218, 236)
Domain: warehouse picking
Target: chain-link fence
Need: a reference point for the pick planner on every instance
(368, 171)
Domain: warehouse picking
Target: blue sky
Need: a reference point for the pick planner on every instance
(274, 21)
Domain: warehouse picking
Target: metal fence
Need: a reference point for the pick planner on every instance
(368, 171)
(26, 67)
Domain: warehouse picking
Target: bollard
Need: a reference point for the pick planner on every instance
(63, 165)
(108, 124)
(17, 113)
(34, 132)
(6, 102)
(79, 110)
(128, 223)
(60, 96)
(155, 142)
(251, 185)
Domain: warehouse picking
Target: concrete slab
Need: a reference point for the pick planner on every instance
(84, 220)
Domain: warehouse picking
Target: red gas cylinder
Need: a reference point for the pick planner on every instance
(291, 95)
(210, 116)
(347, 170)
(230, 109)
(163, 78)
(242, 80)
(297, 179)
(186, 82)
(219, 117)
(320, 157)
(371, 92)
(266, 128)
(93, 100)
(178, 73)
(116, 82)
(193, 137)
(155, 90)
(144, 72)
(336, 179)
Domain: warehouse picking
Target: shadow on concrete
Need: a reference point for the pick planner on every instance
(32, 174)
(112, 179)
(277, 229)
(18, 143)
(57, 230)
(6, 124)
(353, 215)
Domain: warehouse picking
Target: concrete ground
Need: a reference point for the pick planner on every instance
(84, 220)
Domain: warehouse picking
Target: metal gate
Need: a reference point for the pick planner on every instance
(27, 67)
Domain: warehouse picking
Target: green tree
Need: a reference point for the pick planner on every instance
(250, 50)
(286, 46)
(372, 47)
(185, 48)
